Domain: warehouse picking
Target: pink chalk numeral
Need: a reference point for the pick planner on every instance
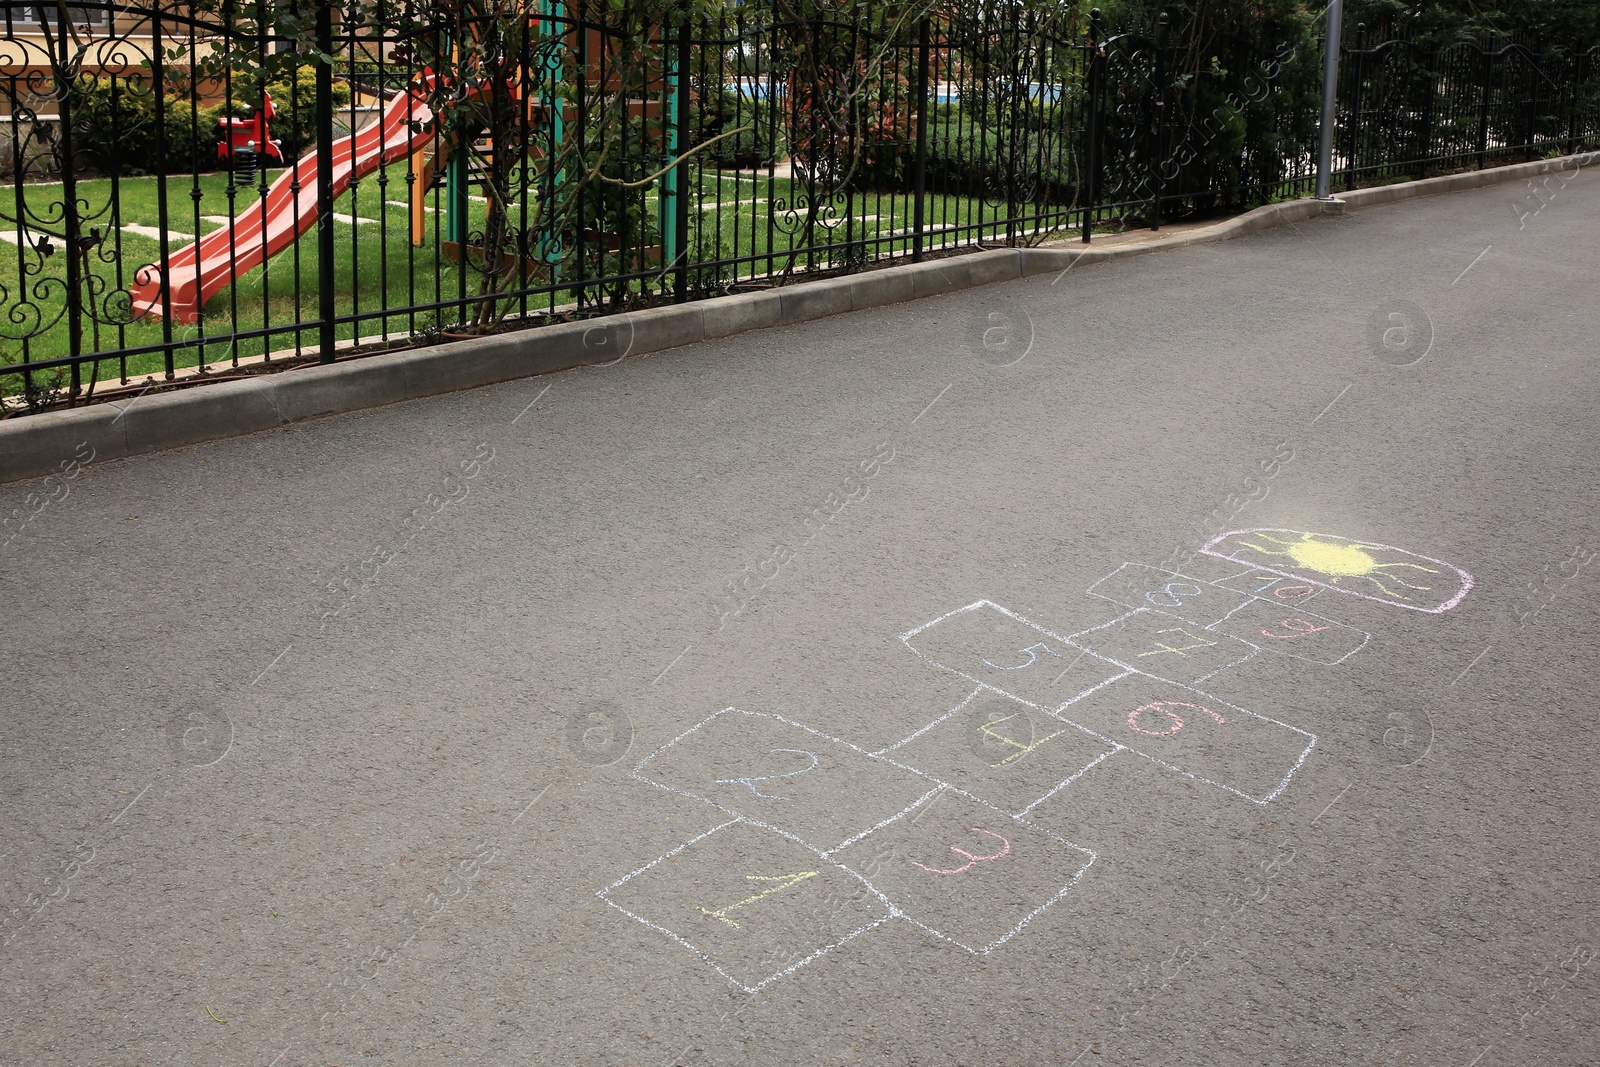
(972, 861)
(1298, 628)
(1165, 707)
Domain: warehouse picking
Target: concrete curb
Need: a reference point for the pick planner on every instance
(1046, 260)
(42, 444)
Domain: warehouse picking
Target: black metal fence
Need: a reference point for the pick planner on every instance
(1406, 111)
(193, 193)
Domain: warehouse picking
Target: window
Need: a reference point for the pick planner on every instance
(81, 16)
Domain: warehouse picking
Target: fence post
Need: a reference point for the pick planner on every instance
(918, 216)
(1160, 108)
(1533, 102)
(1572, 117)
(1425, 145)
(1483, 108)
(680, 205)
(1355, 107)
(65, 85)
(1092, 162)
(325, 306)
(159, 75)
(1014, 124)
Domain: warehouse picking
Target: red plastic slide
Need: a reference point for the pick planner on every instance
(199, 271)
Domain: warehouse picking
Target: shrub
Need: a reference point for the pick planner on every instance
(111, 119)
(756, 147)
(968, 158)
(295, 98)
(1244, 100)
(114, 121)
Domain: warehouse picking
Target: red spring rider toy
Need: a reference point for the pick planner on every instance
(246, 142)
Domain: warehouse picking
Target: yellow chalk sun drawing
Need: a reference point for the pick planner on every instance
(1340, 561)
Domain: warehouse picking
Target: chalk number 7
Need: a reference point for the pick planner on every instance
(1031, 657)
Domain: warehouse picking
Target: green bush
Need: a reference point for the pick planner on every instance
(1244, 101)
(295, 98)
(966, 158)
(192, 134)
(114, 122)
(114, 127)
(755, 147)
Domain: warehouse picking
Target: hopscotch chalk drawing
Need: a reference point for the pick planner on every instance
(751, 780)
(1195, 734)
(1291, 632)
(784, 881)
(996, 750)
(828, 841)
(1269, 586)
(1237, 750)
(1161, 646)
(780, 774)
(1005, 653)
(997, 731)
(777, 892)
(1377, 572)
(1136, 586)
(1258, 618)
(967, 873)
(751, 902)
(972, 861)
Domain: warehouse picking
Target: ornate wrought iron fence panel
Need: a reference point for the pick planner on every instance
(194, 190)
(1406, 112)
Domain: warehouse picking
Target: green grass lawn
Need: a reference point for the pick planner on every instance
(377, 269)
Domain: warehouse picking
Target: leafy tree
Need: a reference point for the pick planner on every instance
(1243, 101)
(1441, 22)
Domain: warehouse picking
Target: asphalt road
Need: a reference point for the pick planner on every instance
(571, 721)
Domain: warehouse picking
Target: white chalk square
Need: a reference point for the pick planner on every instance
(752, 903)
(1001, 751)
(1190, 599)
(1002, 651)
(1196, 734)
(1288, 631)
(774, 771)
(1165, 647)
(966, 872)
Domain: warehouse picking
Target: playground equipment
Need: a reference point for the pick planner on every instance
(247, 141)
(548, 113)
(199, 271)
(408, 127)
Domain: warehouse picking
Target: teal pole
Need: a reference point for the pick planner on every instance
(455, 194)
(666, 207)
(553, 10)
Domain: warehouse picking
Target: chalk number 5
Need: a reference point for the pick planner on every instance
(1030, 652)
